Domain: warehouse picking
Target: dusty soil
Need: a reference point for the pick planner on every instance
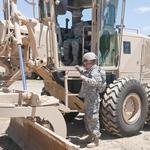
(76, 131)
(108, 141)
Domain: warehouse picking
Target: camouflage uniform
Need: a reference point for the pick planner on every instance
(91, 87)
(73, 43)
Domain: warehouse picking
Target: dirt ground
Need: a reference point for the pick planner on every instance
(76, 131)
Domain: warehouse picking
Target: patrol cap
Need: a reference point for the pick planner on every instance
(89, 56)
(77, 13)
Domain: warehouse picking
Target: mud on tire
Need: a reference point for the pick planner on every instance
(147, 89)
(124, 108)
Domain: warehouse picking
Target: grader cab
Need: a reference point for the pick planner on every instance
(36, 45)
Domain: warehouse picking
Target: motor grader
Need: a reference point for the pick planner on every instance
(37, 122)
(37, 45)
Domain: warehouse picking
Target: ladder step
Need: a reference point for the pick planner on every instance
(73, 94)
(73, 79)
(73, 111)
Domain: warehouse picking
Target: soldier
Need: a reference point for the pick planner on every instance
(72, 45)
(93, 82)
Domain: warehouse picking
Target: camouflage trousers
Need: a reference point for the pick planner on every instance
(91, 117)
(71, 46)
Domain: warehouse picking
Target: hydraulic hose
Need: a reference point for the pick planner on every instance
(19, 43)
(22, 68)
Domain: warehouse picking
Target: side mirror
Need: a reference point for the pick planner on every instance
(119, 27)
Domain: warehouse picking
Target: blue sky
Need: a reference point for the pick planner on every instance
(137, 14)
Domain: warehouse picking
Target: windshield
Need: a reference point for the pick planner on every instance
(111, 17)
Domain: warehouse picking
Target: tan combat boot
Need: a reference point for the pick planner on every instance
(94, 143)
(87, 139)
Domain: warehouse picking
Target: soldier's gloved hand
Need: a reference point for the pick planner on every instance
(78, 68)
(82, 77)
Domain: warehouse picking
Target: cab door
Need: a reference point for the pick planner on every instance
(145, 65)
(130, 63)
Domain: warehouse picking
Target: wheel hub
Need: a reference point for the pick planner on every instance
(131, 108)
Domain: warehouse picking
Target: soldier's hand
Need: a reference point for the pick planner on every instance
(82, 77)
(77, 67)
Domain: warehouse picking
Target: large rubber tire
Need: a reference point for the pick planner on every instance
(147, 89)
(124, 108)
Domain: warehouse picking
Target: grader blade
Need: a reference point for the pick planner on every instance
(31, 135)
(37, 123)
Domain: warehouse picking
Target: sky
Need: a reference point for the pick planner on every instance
(137, 14)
